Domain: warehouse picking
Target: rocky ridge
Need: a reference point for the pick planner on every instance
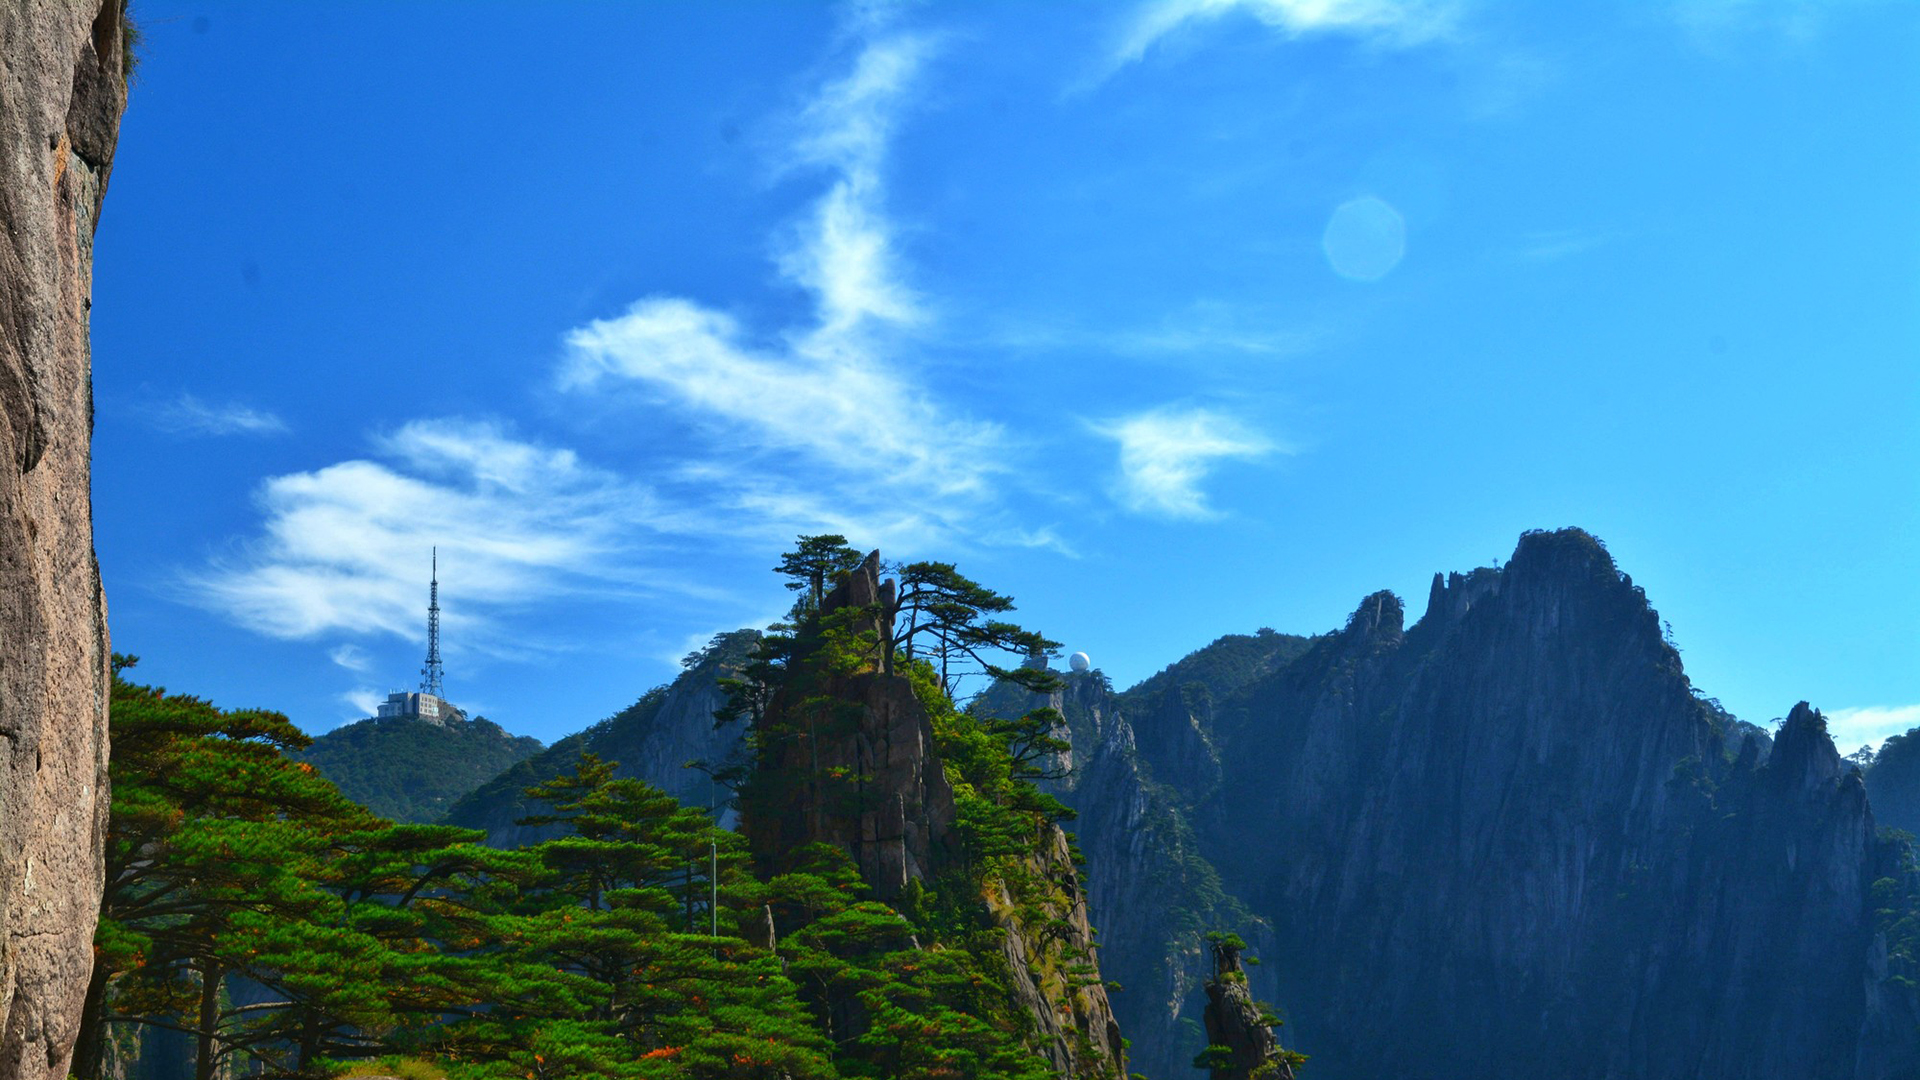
(1513, 839)
(62, 91)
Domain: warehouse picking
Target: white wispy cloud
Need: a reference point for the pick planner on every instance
(1870, 725)
(839, 391)
(352, 657)
(188, 415)
(1397, 23)
(344, 548)
(1204, 331)
(1166, 453)
(365, 702)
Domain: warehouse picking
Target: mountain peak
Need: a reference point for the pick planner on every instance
(1804, 756)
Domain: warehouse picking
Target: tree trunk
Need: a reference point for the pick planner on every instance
(90, 1050)
(309, 1039)
(208, 1028)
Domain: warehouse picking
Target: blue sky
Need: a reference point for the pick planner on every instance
(1171, 319)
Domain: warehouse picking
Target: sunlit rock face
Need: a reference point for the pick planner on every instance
(1509, 841)
(62, 90)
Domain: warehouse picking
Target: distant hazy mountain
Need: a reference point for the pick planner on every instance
(414, 770)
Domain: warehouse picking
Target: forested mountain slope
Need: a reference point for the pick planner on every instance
(409, 769)
(653, 739)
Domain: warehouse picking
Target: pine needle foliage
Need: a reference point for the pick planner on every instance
(291, 933)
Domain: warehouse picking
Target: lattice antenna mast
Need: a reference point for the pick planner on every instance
(430, 675)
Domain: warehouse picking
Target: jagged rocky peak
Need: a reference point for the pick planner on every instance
(1380, 617)
(1549, 570)
(1240, 1040)
(1550, 849)
(1803, 756)
(880, 735)
(1453, 595)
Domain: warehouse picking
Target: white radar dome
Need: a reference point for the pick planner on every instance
(1079, 661)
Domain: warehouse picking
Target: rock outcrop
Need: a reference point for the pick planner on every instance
(1240, 1037)
(861, 772)
(865, 776)
(62, 90)
(1153, 894)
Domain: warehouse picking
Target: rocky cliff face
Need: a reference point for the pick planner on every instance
(1152, 892)
(1240, 1040)
(1511, 842)
(62, 90)
(1893, 782)
(867, 778)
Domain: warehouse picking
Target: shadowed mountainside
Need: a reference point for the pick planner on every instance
(1511, 841)
(652, 739)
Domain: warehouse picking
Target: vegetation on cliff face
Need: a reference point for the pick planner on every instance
(1892, 775)
(1240, 1030)
(858, 745)
(414, 770)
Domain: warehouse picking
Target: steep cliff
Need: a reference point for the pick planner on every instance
(848, 755)
(1512, 842)
(1893, 782)
(62, 90)
(1153, 894)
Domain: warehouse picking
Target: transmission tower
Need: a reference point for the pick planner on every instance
(430, 675)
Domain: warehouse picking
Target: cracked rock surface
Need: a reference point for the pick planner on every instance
(62, 90)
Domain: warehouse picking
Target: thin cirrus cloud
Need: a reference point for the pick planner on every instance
(1166, 454)
(1398, 23)
(188, 415)
(352, 657)
(345, 548)
(836, 390)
